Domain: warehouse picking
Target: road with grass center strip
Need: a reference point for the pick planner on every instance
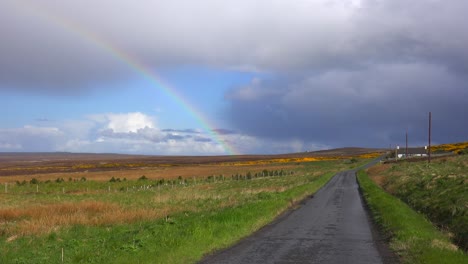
(332, 227)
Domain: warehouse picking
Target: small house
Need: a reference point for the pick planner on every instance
(412, 152)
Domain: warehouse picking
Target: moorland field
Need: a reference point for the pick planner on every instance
(91, 208)
(108, 208)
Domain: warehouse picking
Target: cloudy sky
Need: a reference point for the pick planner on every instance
(213, 77)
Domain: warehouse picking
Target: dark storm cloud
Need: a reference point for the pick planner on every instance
(401, 61)
(64, 46)
(369, 107)
(68, 46)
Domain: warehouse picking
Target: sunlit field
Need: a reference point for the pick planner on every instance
(160, 214)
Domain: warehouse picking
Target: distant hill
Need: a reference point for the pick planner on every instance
(58, 157)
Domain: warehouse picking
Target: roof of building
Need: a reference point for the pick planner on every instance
(413, 151)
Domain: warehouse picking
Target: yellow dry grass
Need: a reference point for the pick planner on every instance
(437, 243)
(376, 173)
(46, 218)
(43, 219)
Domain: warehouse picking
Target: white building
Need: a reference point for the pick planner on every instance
(412, 152)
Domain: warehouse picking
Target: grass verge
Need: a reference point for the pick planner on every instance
(439, 191)
(413, 237)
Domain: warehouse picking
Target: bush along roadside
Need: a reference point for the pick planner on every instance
(412, 236)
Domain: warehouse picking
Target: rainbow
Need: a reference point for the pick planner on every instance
(135, 64)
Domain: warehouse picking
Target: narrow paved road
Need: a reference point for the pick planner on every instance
(332, 227)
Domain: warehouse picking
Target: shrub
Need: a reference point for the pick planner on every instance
(34, 181)
(114, 179)
(21, 183)
(143, 178)
(462, 152)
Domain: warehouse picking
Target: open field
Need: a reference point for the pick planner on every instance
(176, 213)
(102, 167)
(44, 163)
(438, 190)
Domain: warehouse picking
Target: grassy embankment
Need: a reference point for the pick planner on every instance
(439, 191)
(146, 221)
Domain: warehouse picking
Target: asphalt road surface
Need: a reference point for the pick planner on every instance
(332, 227)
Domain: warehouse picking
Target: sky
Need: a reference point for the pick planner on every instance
(212, 77)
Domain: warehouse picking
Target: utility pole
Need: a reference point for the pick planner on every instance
(430, 126)
(396, 153)
(406, 152)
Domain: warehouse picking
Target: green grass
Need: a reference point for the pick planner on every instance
(438, 190)
(413, 237)
(205, 215)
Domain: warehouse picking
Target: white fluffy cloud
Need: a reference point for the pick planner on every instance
(125, 122)
(136, 133)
